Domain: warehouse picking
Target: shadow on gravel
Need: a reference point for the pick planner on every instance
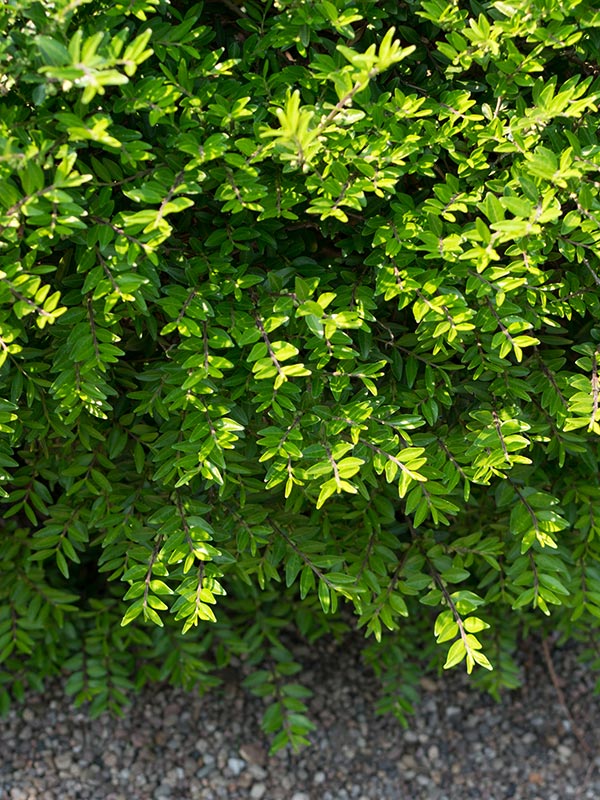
(176, 746)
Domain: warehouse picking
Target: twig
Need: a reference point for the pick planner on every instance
(588, 776)
(561, 698)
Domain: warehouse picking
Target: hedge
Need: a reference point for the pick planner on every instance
(299, 334)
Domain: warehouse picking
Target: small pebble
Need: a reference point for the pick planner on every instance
(453, 711)
(63, 760)
(236, 765)
(253, 754)
(256, 772)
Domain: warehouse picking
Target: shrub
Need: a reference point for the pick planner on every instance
(298, 307)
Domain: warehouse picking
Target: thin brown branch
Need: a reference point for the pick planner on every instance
(578, 733)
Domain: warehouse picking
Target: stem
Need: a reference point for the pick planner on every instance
(263, 333)
(346, 99)
(148, 577)
(595, 390)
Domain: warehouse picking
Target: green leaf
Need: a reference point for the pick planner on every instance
(446, 627)
(134, 610)
(456, 654)
(474, 624)
(53, 52)
(324, 596)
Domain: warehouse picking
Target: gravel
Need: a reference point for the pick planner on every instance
(176, 746)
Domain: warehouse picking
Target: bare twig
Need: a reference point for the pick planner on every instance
(578, 733)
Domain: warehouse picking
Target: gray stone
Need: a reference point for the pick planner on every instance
(63, 760)
(564, 752)
(110, 760)
(253, 754)
(453, 711)
(433, 753)
(236, 765)
(258, 773)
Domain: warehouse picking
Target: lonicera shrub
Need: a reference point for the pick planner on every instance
(298, 333)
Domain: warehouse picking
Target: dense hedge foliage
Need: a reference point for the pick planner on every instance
(297, 334)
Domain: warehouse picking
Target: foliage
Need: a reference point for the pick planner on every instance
(297, 333)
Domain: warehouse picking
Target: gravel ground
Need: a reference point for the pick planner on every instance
(176, 746)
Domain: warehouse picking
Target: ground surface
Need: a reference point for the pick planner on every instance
(173, 746)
